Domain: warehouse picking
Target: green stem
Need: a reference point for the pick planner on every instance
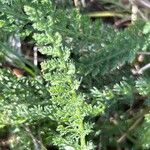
(81, 131)
(82, 137)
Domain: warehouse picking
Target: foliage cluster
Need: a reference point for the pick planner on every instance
(85, 95)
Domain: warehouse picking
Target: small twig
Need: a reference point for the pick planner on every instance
(36, 142)
(31, 58)
(122, 21)
(83, 2)
(135, 124)
(122, 138)
(134, 11)
(106, 14)
(147, 66)
(35, 49)
(143, 3)
(142, 15)
(76, 3)
(143, 53)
